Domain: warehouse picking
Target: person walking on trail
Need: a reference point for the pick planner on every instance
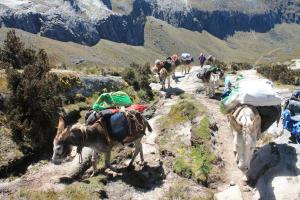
(202, 59)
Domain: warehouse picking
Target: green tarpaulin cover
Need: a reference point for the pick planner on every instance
(112, 99)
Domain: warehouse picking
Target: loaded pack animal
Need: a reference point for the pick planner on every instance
(247, 124)
(211, 77)
(165, 69)
(101, 137)
(186, 60)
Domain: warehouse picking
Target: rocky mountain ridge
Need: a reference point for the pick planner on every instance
(88, 21)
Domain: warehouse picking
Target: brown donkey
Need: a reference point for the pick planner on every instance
(98, 138)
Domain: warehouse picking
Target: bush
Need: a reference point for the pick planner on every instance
(281, 73)
(138, 77)
(217, 63)
(13, 53)
(34, 101)
(240, 66)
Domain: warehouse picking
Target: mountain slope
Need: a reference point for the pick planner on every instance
(88, 21)
(162, 39)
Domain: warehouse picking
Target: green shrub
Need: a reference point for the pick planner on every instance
(203, 131)
(240, 66)
(34, 101)
(218, 63)
(281, 73)
(13, 52)
(138, 77)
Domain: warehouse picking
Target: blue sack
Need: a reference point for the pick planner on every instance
(296, 132)
(119, 126)
(287, 122)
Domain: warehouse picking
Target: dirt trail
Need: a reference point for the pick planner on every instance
(224, 139)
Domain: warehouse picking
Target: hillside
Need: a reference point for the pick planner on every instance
(87, 22)
(162, 39)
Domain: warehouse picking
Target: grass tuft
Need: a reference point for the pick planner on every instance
(184, 110)
(203, 131)
(195, 163)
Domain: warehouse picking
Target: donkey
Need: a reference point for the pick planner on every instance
(245, 123)
(165, 69)
(96, 137)
(186, 66)
(186, 60)
(211, 79)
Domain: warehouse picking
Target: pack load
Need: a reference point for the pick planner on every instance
(93, 115)
(124, 126)
(118, 126)
(269, 115)
(205, 72)
(138, 107)
(167, 64)
(258, 92)
(291, 119)
(186, 57)
(174, 59)
(112, 100)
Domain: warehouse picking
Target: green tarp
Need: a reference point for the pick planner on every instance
(111, 100)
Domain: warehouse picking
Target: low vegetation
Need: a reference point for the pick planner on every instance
(202, 129)
(138, 77)
(186, 109)
(195, 162)
(236, 66)
(92, 69)
(182, 191)
(91, 188)
(280, 73)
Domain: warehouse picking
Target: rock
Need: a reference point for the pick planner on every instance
(279, 176)
(232, 183)
(95, 83)
(232, 193)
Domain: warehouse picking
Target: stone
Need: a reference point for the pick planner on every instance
(232, 193)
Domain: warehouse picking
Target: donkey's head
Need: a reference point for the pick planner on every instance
(61, 146)
(245, 136)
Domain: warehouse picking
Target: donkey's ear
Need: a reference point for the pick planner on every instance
(61, 122)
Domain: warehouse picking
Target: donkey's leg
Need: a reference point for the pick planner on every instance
(95, 160)
(141, 153)
(169, 81)
(107, 158)
(137, 150)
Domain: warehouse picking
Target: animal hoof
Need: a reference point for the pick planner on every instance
(93, 174)
(245, 179)
(111, 173)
